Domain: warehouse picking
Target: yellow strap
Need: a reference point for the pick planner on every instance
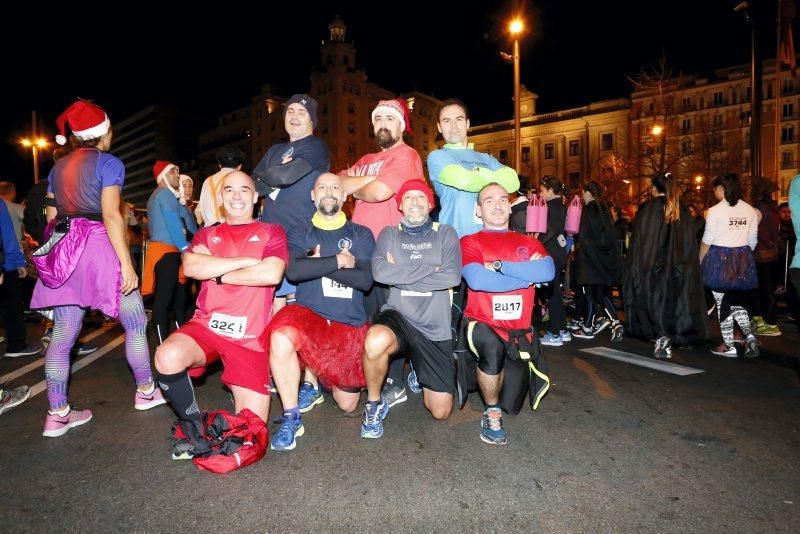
(546, 387)
(470, 328)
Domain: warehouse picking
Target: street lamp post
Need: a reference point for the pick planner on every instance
(515, 28)
(34, 143)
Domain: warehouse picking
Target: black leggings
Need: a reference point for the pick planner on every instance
(597, 298)
(487, 345)
(167, 291)
(763, 298)
(558, 315)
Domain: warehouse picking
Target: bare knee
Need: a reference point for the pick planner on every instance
(440, 408)
(347, 402)
(378, 341)
(440, 412)
(281, 344)
(170, 359)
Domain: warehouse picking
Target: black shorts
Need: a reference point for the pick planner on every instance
(432, 360)
(490, 349)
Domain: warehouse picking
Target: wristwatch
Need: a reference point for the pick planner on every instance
(497, 265)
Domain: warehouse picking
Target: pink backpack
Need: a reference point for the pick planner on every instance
(536, 215)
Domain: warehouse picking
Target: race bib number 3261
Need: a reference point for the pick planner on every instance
(228, 325)
(506, 307)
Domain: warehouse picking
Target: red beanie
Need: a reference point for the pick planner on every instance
(161, 168)
(416, 184)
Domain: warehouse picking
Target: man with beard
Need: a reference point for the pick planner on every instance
(374, 182)
(239, 263)
(501, 268)
(458, 172)
(286, 174)
(324, 331)
(421, 261)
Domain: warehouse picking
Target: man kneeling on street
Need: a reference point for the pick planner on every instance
(421, 262)
(330, 263)
(500, 268)
(239, 263)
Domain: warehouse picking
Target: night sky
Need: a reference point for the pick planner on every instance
(212, 62)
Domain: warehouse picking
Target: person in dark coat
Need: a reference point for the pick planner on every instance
(555, 242)
(662, 286)
(598, 265)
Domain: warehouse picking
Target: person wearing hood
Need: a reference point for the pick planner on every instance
(169, 222)
(661, 279)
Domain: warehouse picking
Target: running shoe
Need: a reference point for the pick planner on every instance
(10, 397)
(285, 438)
(307, 397)
(601, 324)
(492, 427)
(663, 348)
(583, 333)
(565, 336)
(552, 340)
(413, 383)
(145, 401)
(82, 349)
(372, 420)
(393, 393)
(616, 332)
(724, 350)
(56, 425)
(24, 351)
(751, 349)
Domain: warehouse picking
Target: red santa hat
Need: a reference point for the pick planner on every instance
(86, 120)
(161, 168)
(396, 107)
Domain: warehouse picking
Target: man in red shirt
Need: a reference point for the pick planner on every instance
(500, 268)
(374, 182)
(239, 263)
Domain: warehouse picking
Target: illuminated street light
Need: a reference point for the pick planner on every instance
(657, 130)
(699, 178)
(35, 145)
(516, 27)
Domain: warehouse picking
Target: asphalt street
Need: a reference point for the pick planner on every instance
(613, 447)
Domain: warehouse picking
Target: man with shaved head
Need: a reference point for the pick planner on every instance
(330, 263)
(239, 263)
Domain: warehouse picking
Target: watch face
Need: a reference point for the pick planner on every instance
(497, 265)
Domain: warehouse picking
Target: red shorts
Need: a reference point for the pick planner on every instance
(241, 367)
(332, 350)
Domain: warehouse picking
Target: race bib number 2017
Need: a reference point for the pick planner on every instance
(506, 307)
(228, 325)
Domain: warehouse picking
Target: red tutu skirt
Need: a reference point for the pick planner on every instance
(332, 350)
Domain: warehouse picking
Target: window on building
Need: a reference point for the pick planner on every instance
(717, 142)
(718, 99)
(787, 134)
(717, 122)
(351, 109)
(607, 141)
(787, 87)
(324, 128)
(351, 150)
(702, 102)
(574, 180)
(686, 146)
(686, 103)
(650, 108)
(574, 148)
(324, 108)
(686, 125)
(788, 110)
(503, 157)
(548, 151)
(769, 90)
(735, 96)
(351, 127)
(526, 153)
(425, 129)
(787, 159)
(749, 93)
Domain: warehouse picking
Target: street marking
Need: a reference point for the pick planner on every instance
(77, 366)
(643, 361)
(602, 387)
(38, 363)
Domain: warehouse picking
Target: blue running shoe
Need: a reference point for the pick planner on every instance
(552, 340)
(492, 427)
(308, 397)
(413, 383)
(285, 439)
(565, 335)
(372, 420)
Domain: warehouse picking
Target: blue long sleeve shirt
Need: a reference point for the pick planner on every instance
(164, 215)
(13, 256)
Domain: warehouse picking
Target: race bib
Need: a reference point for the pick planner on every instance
(332, 288)
(506, 307)
(228, 325)
(409, 293)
